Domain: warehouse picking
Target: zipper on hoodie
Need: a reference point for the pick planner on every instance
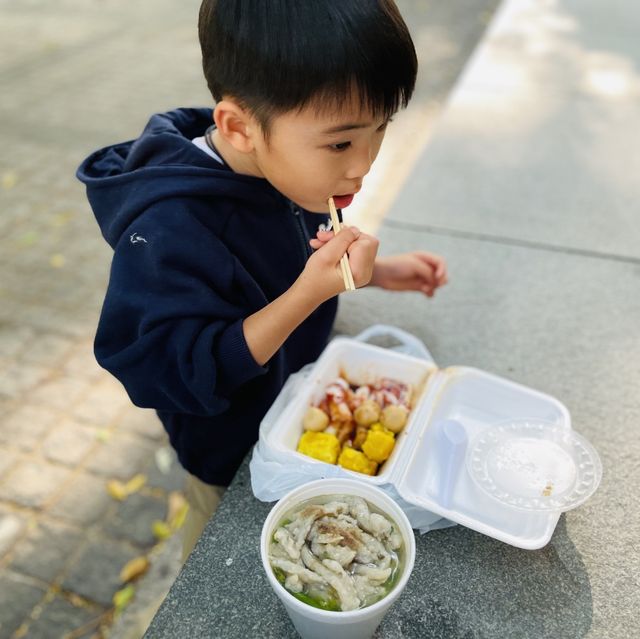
(303, 232)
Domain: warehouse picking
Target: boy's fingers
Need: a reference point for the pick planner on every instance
(436, 261)
(323, 237)
(425, 272)
(337, 246)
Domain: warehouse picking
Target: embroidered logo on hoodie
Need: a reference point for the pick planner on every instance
(134, 238)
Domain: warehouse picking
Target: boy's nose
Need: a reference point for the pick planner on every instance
(360, 165)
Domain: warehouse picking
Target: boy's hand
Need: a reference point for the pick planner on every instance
(323, 267)
(267, 329)
(415, 271)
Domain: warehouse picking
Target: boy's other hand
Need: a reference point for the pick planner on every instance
(360, 248)
(415, 271)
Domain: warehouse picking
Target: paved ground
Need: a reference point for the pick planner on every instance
(77, 75)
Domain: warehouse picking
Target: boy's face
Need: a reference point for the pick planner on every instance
(312, 155)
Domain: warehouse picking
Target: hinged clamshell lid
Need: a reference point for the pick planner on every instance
(435, 475)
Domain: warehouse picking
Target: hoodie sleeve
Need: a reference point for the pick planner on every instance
(171, 323)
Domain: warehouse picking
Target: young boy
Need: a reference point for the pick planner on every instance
(222, 283)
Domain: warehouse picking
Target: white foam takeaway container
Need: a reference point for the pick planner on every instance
(424, 466)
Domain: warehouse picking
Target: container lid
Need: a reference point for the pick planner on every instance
(534, 465)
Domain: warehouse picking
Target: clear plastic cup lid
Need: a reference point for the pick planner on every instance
(534, 465)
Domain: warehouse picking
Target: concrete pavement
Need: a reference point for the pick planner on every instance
(529, 187)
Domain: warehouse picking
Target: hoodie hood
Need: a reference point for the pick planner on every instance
(117, 176)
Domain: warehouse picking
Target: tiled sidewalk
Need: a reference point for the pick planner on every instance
(76, 75)
(69, 85)
(67, 429)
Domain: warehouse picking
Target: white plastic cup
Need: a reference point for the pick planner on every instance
(314, 623)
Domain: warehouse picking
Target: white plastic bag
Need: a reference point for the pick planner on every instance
(272, 475)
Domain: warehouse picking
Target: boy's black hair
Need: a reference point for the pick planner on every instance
(275, 56)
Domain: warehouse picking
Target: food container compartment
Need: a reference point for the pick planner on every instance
(361, 363)
(476, 400)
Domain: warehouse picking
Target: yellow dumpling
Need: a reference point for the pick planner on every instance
(322, 446)
(378, 445)
(355, 460)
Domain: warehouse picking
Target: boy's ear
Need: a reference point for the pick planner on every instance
(235, 124)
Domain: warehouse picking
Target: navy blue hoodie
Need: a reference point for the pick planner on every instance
(197, 248)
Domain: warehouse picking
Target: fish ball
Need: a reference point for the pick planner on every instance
(394, 417)
(315, 419)
(367, 413)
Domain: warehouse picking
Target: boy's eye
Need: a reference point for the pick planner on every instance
(341, 146)
(383, 126)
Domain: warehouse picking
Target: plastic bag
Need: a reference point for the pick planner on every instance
(273, 476)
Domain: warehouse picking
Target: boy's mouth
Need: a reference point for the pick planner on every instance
(342, 201)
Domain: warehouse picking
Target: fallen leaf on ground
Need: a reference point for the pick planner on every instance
(117, 489)
(120, 491)
(123, 597)
(178, 522)
(177, 509)
(134, 569)
(136, 483)
(161, 530)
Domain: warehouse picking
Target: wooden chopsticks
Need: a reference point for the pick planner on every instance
(347, 276)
